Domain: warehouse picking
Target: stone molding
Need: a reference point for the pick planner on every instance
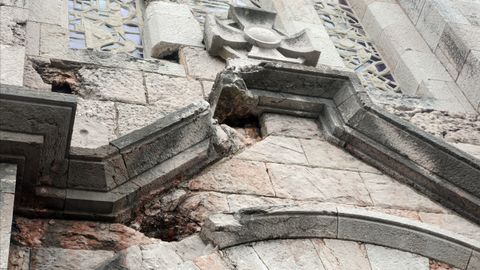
(8, 178)
(352, 121)
(103, 183)
(345, 223)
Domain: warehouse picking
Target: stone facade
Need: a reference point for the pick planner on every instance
(184, 121)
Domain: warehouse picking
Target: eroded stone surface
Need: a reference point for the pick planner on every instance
(382, 258)
(172, 93)
(95, 123)
(58, 258)
(284, 125)
(276, 149)
(341, 255)
(199, 64)
(111, 84)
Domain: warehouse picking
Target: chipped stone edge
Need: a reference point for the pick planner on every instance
(349, 223)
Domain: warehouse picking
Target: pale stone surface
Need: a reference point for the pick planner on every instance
(32, 45)
(132, 116)
(207, 88)
(12, 25)
(14, 3)
(235, 176)
(453, 223)
(276, 149)
(200, 205)
(382, 258)
(244, 257)
(416, 67)
(468, 78)
(412, 8)
(199, 64)
(448, 96)
(53, 40)
(210, 262)
(170, 92)
(158, 257)
(470, 9)
(290, 126)
(49, 11)
(58, 258)
(111, 84)
(341, 255)
(284, 254)
(237, 202)
(179, 27)
(433, 18)
(471, 149)
(455, 44)
(94, 123)
(388, 193)
(324, 154)
(380, 15)
(11, 64)
(304, 183)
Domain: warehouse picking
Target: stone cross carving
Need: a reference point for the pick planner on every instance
(249, 32)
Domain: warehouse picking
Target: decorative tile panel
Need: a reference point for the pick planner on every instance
(106, 25)
(354, 45)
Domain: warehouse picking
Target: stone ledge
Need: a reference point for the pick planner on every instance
(320, 221)
(395, 146)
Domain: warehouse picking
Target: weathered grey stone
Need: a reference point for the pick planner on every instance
(257, 37)
(471, 149)
(288, 254)
(455, 44)
(53, 12)
(326, 155)
(8, 175)
(112, 84)
(412, 8)
(452, 223)
(129, 258)
(244, 257)
(132, 117)
(447, 96)
(164, 138)
(13, 3)
(51, 115)
(380, 15)
(210, 262)
(433, 18)
(172, 93)
(32, 41)
(381, 188)
(393, 232)
(11, 66)
(53, 40)
(32, 79)
(12, 25)
(474, 262)
(58, 258)
(235, 176)
(382, 258)
(192, 247)
(341, 255)
(199, 64)
(303, 183)
(467, 78)
(469, 9)
(179, 27)
(276, 149)
(95, 123)
(159, 256)
(207, 88)
(284, 125)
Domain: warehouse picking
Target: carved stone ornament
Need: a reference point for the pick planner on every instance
(249, 32)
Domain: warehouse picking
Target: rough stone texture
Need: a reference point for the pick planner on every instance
(49, 11)
(303, 183)
(412, 8)
(382, 258)
(380, 15)
(467, 79)
(11, 66)
(172, 93)
(471, 149)
(8, 175)
(179, 27)
(111, 84)
(207, 88)
(132, 116)
(454, 128)
(12, 26)
(70, 234)
(381, 188)
(32, 45)
(326, 155)
(474, 261)
(160, 257)
(53, 40)
(244, 257)
(57, 258)
(341, 255)
(95, 124)
(451, 222)
(235, 176)
(199, 64)
(284, 125)
(433, 18)
(32, 79)
(276, 149)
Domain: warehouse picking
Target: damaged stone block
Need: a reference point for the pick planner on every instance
(11, 65)
(169, 26)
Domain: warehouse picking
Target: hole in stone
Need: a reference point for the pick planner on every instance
(84, 132)
(173, 57)
(61, 87)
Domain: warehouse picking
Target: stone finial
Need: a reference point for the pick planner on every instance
(249, 32)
